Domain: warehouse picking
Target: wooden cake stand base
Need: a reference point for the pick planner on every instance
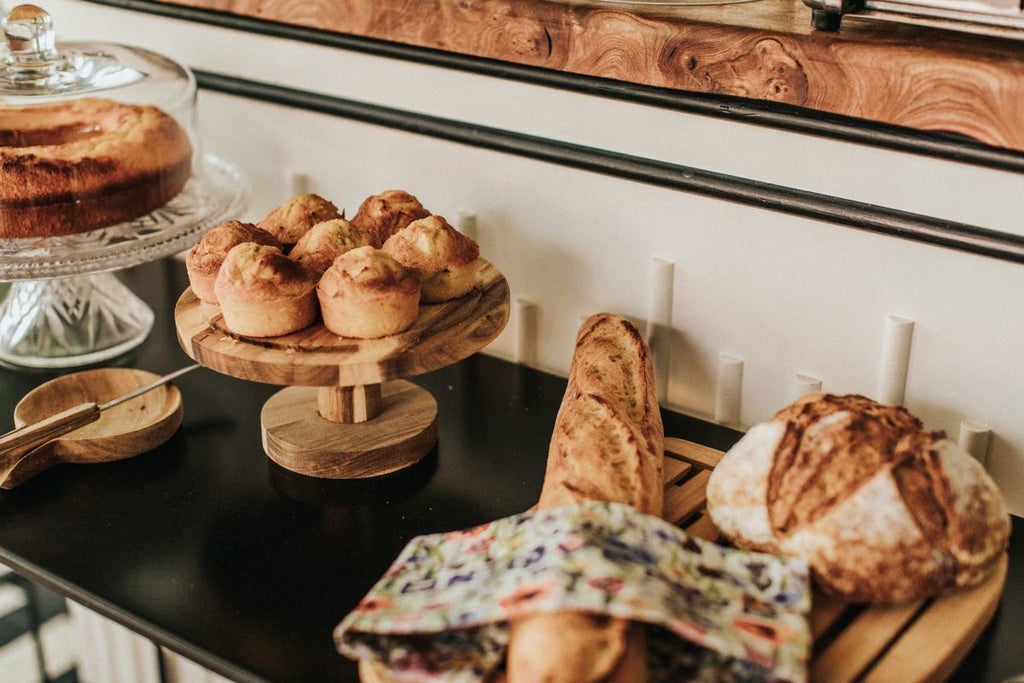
(347, 412)
(298, 437)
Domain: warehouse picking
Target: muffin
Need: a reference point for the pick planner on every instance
(326, 241)
(367, 294)
(263, 293)
(295, 217)
(445, 259)
(384, 214)
(204, 258)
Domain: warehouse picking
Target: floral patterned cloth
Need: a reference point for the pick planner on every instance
(440, 612)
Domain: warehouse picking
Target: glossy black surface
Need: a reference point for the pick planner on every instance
(207, 547)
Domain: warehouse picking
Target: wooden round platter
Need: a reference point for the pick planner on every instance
(346, 413)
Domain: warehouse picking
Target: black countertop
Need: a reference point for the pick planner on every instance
(207, 547)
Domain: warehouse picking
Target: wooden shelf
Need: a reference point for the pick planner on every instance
(921, 78)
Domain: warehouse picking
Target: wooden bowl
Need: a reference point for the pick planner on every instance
(123, 431)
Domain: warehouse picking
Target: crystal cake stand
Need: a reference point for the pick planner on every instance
(65, 307)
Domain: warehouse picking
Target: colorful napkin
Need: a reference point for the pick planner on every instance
(440, 612)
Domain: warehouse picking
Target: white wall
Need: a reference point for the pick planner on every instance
(784, 294)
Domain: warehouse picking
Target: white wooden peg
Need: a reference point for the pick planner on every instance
(298, 183)
(892, 372)
(975, 438)
(524, 314)
(659, 322)
(465, 222)
(803, 385)
(728, 389)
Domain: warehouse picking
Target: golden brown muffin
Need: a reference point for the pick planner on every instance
(367, 294)
(204, 259)
(326, 241)
(382, 215)
(445, 259)
(295, 217)
(263, 293)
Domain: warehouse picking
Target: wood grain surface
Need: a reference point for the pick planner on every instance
(922, 78)
(123, 431)
(917, 642)
(298, 438)
(443, 334)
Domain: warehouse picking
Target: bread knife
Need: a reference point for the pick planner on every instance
(23, 439)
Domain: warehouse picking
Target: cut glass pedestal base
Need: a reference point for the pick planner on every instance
(70, 322)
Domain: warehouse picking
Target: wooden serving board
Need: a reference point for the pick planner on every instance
(916, 642)
(443, 334)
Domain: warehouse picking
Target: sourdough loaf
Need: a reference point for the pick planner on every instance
(882, 509)
(607, 445)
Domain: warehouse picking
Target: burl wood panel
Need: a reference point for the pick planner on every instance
(921, 78)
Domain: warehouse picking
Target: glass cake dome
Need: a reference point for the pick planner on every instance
(59, 250)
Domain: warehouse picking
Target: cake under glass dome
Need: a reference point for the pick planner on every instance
(65, 306)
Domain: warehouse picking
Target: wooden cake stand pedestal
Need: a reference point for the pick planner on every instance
(346, 412)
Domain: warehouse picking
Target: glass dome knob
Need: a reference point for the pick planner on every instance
(33, 65)
(28, 32)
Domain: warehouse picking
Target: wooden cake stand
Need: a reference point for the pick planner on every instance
(345, 412)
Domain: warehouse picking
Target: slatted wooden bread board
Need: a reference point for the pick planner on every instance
(921, 641)
(918, 642)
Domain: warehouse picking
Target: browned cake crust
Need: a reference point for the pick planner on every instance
(205, 258)
(76, 166)
(881, 508)
(382, 215)
(444, 258)
(292, 219)
(326, 241)
(608, 445)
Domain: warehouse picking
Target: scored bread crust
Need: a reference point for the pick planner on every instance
(883, 510)
(607, 445)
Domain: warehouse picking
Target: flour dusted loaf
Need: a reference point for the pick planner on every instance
(883, 510)
(608, 445)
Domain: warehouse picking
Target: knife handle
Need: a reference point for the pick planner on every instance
(16, 443)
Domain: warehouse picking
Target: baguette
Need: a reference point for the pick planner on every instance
(607, 445)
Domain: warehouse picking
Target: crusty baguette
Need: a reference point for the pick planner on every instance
(607, 445)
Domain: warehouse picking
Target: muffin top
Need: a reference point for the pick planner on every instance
(209, 252)
(366, 269)
(261, 272)
(382, 215)
(325, 241)
(289, 221)
(430, 245)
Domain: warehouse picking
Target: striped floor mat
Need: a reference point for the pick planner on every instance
(37, 644)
